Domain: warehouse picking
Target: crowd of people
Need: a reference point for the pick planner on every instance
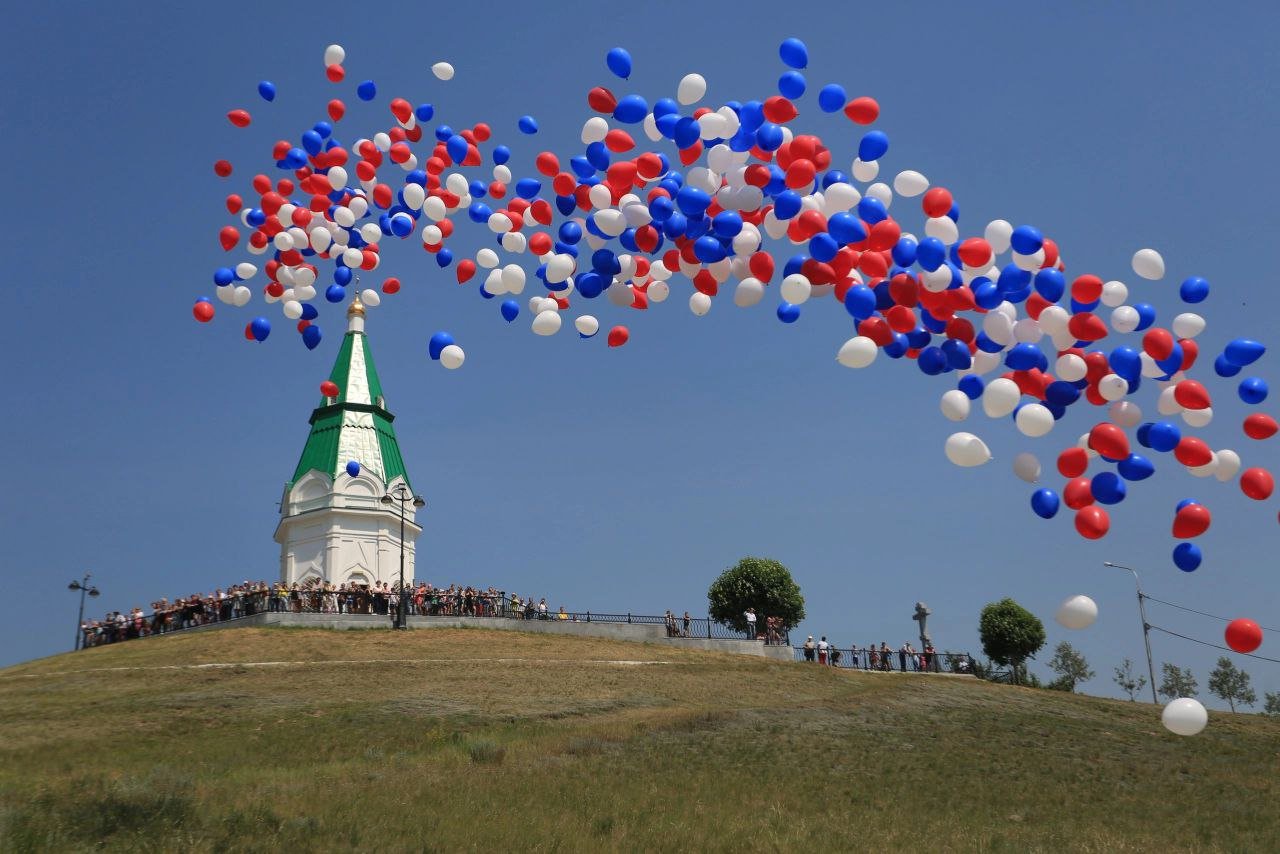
(249, 598)
(880, 657)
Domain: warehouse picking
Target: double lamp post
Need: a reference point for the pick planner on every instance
(84, 587)
(402, 496)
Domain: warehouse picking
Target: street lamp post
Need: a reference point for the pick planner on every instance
(84, 587)
(402, 496)
(1146, 627)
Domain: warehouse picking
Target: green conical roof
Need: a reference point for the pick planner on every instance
(356, 424)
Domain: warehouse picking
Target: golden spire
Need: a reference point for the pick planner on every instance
(356, 309)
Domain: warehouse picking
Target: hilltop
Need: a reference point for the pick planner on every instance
(302, 739)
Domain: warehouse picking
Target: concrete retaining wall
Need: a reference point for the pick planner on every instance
(639, 633)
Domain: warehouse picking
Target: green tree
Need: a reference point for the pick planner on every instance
(1272, 704)
(1010, 635)
(1176, 682)
(1230, 683)
(760, 583)
(1071, 667)
(1128, 681)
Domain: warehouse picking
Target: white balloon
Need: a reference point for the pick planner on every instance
(442, 70)
(749, 292)
(452, 357)
(880, 192)
(245, 271)
(1209, 469)
(967, 450)
(487, 258)
(1125, 319)
(370, 297)
(240, 298)
(1166, 404)
(1148, 264)
(587, 325)
(1125, 413)
(1030, 263)
(1034, 420)
(997, 234)
(795, 289)
(1184, 716)
(998, 327)
(910, 183)
(1188, 325)
(1078, 612)
(658, 291)
(699, 303)
(1071, 368)
(292, 309)
(984, 362)
(691, 89)
(1114, 294)
(1112, 387)
(337, 177)
(1000, 397)
(513, 279)
(955, 405)
(865, 170)
(594, 130)
(334, 54)
(226, 294)
(1027, 467)
(942, 227)
(857, 352)
(1027, 331)
(546, 323)
(619, 294)
(1198, 417)
(1228, 465)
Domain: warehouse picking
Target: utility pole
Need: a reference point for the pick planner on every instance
(1146, 627)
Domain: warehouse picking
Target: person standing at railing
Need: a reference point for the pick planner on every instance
(810, 648)
(751, 623)
(688, 621)
(823, 647)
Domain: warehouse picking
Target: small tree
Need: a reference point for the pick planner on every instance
(1010, 634)
(760, 583)
(1176, 682)
(1071, 667)
(1230, 683)
(1272, 705)
(1128, 681)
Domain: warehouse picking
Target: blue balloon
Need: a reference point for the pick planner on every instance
(794, 53)
(932, 361)
(590, 284)
(860, 301)
(931, 253)
(619, 62)
(335, 293)
(872, 210)
(823, 247)
(904, 251)
(1223, 368)
(510, 310)
(1061, 393)
(1164, 436)
(438, 342)
(1108, 488)
(972, 385)
(1186, 502)
(1135, 467)
(367, 91)
(1194, 289)
(267, 90)
(309, 311)
(1050, 284)
(632, 109)
(444, 257)
(424, 112)
(1023, 357)
(957, 353)
(1146, 315)
(402, 225)
(527, 124)
(1243, 352)
(986, 294)
(872, 146)
(353, 468)
(768, 136)
(224, 276)
(692, 201)
(727, 223)
(708, 250)
(786, 204)
(311, 336)
(1126, 362)
(1253, 390)
(1045, 503)
(788, 313)
(1187, 557)
(260, 328)
(1026, 240)
(791, 85)
(831, 98)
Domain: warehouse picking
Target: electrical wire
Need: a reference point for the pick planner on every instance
(1194, 611)
(1214, 645)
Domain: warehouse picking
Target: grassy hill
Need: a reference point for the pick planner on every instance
(292, 739)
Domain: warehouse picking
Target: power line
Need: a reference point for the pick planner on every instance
(1194, 611)
(1214, 645)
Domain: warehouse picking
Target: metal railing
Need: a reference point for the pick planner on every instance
(204, 612)
(853, 658)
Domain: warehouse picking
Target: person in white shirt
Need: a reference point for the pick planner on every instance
(751, 622)
(823, 646)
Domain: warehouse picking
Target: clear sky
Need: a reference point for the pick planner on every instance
(152, 451)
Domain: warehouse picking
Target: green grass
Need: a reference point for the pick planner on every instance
(558, 747)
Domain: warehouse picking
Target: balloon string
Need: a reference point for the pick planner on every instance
(1214, 645)
(1201, 613)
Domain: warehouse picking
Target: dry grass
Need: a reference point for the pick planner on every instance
(488, 739)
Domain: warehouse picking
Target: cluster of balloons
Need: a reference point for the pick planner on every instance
(737, 197)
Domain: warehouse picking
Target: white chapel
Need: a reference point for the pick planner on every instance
(334, 526)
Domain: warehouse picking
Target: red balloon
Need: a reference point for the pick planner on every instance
(1260, 426)
(1078, 493)
(1191, 521)
(1191, 395)
(203, 311)
(1109, 440)
(1193, 452)
(466, 269)
(863, 111)
(761, 264)
(222, 168)
(229, 236)
(335, 73)
(1243, 635)
(619, 140)
(234, 203)
(1087, 326)
(618, 336)
(391, 285)
(1092, 522)
(602, 100)
(1257, 483)
(1086, 289)
(239, 118)
(1072, 462)
(779, 110)
(329, 388)
(1158, 343)
(975, 252)
(936, 202)
(337, 110)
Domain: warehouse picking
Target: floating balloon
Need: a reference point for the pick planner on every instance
(1243, 635)
(437, 344)
(452, 357)
(203, 310)
(1187, 557)
(1191, 520)
(353, 468)
(1026, 466)
(329, 388)
(966, 449)
(1148, 264)
(1077, 612)
(618, 336)
(1184, 716)
(1045, 503)
(1257, 483)
(1092, 522)
(442, 71)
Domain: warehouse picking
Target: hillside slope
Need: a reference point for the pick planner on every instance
(298, 739)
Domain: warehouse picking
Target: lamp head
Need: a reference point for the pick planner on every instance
(386, 499)
(93, 591)
(75, 585)
(419, 501)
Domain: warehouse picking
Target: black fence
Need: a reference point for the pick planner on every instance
(854, 658)
(194, 613)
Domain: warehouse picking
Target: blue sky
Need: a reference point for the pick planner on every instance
(152, 451)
